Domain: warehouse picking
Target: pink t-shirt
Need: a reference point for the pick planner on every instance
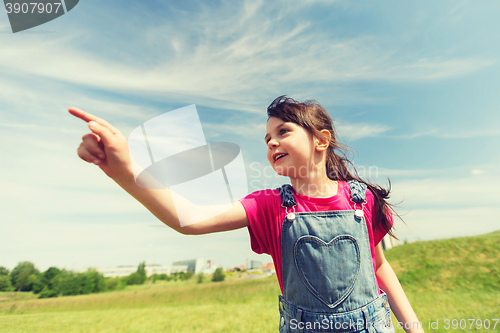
(265, 216)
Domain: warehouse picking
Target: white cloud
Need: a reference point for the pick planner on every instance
(447, 207)
(411, 173)
(447, 134)
(230, 61)
(444, 203)
(435, 223)
(255, 130)
(361, 130)
(477, 172)
(447, 192)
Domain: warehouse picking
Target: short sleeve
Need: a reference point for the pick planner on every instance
(260, 208)
(379, 232)
(372, 212)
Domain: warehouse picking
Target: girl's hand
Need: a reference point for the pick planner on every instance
(105, 146)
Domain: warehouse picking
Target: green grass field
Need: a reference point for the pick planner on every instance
(446, 279)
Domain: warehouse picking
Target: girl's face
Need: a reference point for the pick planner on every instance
(290, 148)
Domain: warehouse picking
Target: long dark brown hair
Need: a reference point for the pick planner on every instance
(314, 118)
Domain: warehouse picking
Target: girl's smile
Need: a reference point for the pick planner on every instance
(278, 156)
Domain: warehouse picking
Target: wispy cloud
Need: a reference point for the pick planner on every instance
(450, 192)
(233, 58)
(439, 203)
(434, 223)
(356, 131)
(253, 130)
(447, 134)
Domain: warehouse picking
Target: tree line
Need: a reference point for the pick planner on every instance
(61, 282)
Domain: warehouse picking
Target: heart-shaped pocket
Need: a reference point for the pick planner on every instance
(328, 270)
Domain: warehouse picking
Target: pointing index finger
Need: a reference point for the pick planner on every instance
(85, 116)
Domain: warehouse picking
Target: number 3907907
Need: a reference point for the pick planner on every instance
(32, 7)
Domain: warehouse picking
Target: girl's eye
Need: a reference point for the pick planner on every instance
(282, 131)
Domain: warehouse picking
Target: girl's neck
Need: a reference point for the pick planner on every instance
(316, 187)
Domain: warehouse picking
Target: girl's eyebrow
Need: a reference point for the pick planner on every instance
(277, 127)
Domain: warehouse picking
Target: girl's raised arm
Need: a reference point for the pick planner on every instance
(108, 148)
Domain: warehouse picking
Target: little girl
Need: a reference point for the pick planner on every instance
(323, 231)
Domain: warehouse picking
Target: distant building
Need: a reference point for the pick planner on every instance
(253, 264)
(198, 265)
(388, 242)
(157, 269)
(269, 268)
(122, 271)
(119, 271)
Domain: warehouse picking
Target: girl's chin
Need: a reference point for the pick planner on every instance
(284, 171)
(280, 171)
(290, 171)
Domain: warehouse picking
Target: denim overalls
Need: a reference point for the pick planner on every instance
(328, 277)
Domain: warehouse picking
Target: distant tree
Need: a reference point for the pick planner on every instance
(50, 278)
(5, 284)
(218, 275)
(4, 271)
(68, 283)
(157, 277)
(90, 282)
(46, 293)
(135, 278)
(115, 283)
(200, 277)
(38, 286)
(141, 272)
(79, 283)
(24, 276)
(97, 279)
(50, 274)
(47, 279)
(185, 275)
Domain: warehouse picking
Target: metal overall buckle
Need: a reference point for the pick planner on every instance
(289, 216)
(358, 213)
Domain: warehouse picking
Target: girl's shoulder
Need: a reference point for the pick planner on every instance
(273, 196)
(261, 198)
(267, 193)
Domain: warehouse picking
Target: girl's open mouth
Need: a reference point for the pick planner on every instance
(279, 157)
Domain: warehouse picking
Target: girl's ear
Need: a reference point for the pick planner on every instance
(323, 141)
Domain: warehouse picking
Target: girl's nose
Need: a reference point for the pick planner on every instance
(272, 143)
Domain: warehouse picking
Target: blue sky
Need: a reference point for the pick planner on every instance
(413, 88)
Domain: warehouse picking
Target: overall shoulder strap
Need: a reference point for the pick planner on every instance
(358, 191)
(286, 193)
